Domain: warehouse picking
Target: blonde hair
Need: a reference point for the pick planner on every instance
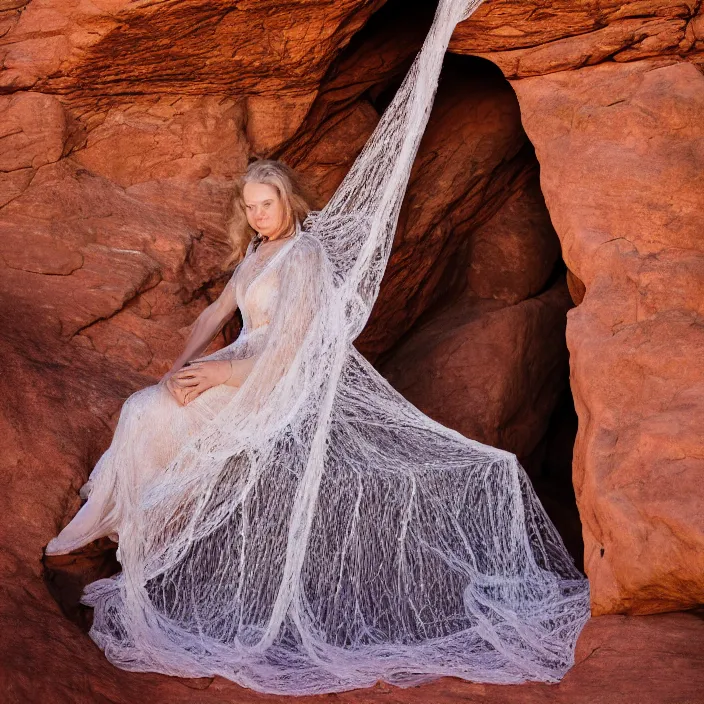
(287, 184)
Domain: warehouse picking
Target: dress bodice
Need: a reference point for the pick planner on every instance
(257, 283)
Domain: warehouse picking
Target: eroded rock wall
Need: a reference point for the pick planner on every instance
(121, 128)
(621, 149)
(611, 97)
(530, 38)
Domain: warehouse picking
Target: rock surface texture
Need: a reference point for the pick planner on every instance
(122, 127)
(627, 202)
(534, 38)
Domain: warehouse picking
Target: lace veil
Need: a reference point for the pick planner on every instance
(322, 533)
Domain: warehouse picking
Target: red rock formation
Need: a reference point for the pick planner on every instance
(109, 49)
(122, 126)
(490, 370)
(530, 38)
(622, 170)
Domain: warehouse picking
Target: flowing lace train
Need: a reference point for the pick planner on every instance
(313, 531)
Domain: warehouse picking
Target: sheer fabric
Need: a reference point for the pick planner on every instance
(313, 531)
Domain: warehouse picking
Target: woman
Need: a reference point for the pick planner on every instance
(289, 521)
(409, 551)
(273, 206)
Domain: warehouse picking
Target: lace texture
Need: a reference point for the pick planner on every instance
(313, 531)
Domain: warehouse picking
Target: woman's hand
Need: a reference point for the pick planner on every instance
(191, 381)
(177, 392)
(165, 379)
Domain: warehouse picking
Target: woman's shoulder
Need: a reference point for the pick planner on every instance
(308, 244)
(306, 253)
(308, 239)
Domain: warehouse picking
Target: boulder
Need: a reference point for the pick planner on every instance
(491, 370)
(621, 151)
(512, 255)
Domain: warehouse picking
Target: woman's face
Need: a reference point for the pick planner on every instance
(264, 208)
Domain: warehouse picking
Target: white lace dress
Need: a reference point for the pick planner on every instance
(136, 456)
(313, 531)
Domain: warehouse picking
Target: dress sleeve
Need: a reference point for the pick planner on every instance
(227, 300)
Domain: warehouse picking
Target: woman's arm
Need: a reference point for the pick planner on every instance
(240, 370)
(208, 324)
